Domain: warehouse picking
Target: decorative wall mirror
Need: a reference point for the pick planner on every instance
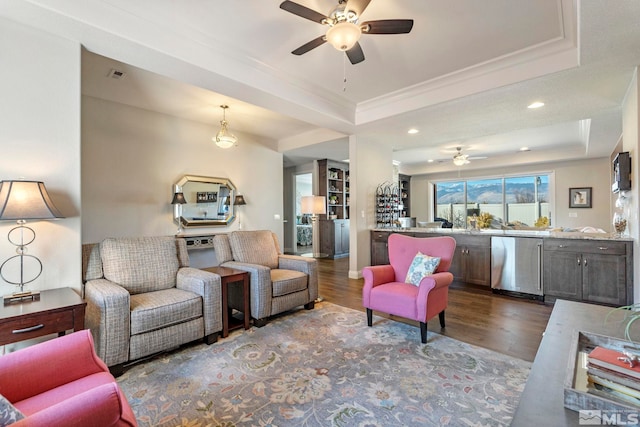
(209, 201)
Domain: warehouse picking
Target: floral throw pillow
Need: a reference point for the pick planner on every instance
(9, 414)
(421, 267)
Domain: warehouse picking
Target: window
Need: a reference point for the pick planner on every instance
(518, 200)
(527, 198)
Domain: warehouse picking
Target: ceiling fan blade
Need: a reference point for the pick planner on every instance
(311, 45)
(303, 11)
(358, 6)
(388, 26)
(355, 54)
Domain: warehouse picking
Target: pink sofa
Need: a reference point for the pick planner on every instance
(62, 382)
(385, 289)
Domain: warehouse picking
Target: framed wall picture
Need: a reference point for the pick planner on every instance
(580, 197)
(206, 196)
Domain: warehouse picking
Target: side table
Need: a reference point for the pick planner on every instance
(228, 276)
(57, 310)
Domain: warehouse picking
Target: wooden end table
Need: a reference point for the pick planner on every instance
(228, 276)
(57, 310)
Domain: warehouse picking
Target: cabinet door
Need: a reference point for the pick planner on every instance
(563, 274)
(344, 237)
(604, 279)
(327, 237)
(379, 250)
(478, 265)
(457, 263)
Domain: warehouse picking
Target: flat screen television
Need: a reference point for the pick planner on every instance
(621, 172)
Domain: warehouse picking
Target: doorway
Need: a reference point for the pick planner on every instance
(304, 233)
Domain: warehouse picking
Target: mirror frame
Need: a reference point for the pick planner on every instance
(178, 209)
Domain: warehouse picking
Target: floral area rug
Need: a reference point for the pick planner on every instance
(326, 367)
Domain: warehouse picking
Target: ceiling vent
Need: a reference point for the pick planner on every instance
(116, 74)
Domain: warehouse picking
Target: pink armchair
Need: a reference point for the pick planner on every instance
(62, 382)
(385, 289)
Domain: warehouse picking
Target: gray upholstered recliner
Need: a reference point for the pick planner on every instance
(277, 282)
(142, 298)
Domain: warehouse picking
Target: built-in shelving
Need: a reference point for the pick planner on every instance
(404, 184)
(334, 185)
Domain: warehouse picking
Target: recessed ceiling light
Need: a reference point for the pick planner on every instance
(412, 131)
(430, 161)
(536, 104)
(525, 149)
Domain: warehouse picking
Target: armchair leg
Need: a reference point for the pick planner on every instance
(369, 317)
(441, 316)
(423, 332)
(211, 338)
(309, 305)
(117, 370)
(259, 323)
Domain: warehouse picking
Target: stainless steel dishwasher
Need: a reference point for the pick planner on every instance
(516, 266)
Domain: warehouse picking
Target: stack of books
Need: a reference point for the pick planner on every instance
(612, 374)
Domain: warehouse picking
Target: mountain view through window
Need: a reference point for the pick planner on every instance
(512, 201)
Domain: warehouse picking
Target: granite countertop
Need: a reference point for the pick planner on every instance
(514, 233)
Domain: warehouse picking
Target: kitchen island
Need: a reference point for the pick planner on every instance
(590, 267)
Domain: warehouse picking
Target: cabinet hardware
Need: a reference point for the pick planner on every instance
(603, 248)
(578, 260)
(562, 246)
(29, 329)
(585, 262)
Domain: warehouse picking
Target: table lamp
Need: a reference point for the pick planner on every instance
(21, 201)
(314, 205)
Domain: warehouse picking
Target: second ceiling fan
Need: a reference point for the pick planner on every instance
(344, 27)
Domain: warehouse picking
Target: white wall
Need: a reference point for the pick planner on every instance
(370, 165)
(630, 141)
(132, 157)
(40, 140)
(595, 173)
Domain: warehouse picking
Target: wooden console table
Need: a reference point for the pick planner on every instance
(228, 276)
(542, 401)
(57, 310)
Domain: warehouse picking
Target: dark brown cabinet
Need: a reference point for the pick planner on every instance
(471, 262)
(379, 249)
(597, 271)
(334, 237)
(472, 259)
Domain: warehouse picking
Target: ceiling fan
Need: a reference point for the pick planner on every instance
(344, 27)
(460, 159)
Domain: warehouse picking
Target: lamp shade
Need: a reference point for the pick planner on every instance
(178, 199)
(239, 200)
(23, 200)
(344, 35)
(313, 205)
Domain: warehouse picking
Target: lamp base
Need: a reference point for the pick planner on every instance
(21, 297)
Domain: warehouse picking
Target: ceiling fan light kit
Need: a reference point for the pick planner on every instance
(344, 35)
(224, 138)
(460, 159)
(344, 30)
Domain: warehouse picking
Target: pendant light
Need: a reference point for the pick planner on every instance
(224, 138)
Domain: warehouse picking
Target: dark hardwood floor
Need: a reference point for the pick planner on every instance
(475, 315)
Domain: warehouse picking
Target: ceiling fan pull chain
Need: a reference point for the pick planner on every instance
(344, 73)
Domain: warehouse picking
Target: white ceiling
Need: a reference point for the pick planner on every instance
(463, 76)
